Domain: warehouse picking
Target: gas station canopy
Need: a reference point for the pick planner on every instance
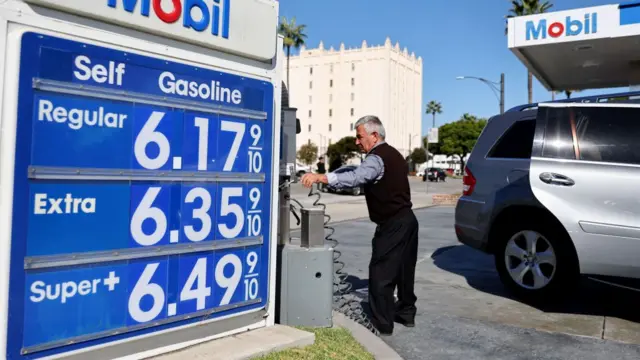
(587, 48)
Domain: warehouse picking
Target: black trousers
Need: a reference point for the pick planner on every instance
(393, 263)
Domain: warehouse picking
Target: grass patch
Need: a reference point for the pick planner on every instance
(331, 343)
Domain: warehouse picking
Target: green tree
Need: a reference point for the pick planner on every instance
(528, 7)
(418, 156)
(568, 93)
(459, 137)
(343, 150)
(308, 153)
(294, 36)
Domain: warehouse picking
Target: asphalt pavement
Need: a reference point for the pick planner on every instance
(464, 312)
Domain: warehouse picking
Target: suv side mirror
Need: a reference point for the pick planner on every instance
(298, 127)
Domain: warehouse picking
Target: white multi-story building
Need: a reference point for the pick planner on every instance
(332, 89)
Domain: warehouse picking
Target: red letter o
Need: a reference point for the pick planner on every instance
(556, 29)
(171, 17)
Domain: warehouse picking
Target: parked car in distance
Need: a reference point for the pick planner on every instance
(359, 190)
(302, 169)
(531, 199)
(434, 174)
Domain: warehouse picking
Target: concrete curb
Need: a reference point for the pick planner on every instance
(373, 344)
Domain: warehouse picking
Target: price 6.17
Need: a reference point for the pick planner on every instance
(217, 144)
(195, 292)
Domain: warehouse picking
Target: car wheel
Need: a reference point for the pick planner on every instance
(356, 191)
(535, 261)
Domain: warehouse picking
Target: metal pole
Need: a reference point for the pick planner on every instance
(284, 218)
(502, 93)
(427, 168)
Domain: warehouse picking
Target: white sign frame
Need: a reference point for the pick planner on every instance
(255, 38)
(17, 17)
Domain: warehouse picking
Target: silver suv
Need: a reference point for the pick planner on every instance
(550, 191)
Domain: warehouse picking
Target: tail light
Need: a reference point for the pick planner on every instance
(468, 182)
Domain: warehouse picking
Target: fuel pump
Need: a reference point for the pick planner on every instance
(311, 282)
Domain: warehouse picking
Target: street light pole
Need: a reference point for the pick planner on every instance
(493, 86)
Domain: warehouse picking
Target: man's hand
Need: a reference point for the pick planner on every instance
(309, 179)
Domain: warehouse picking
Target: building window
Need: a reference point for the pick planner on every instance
(311, 84)
(329, 127)
(311, 70)
(351, 126)
(309, 128)
(308, 141)
(309, 99)
(330, 97)
(353, 66)
(353, 81)
(331, 68)
(352, 111)
(353, 96)
(330, 112)
(331, 83)
(309, 113)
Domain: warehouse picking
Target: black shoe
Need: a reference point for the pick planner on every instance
(401, 321)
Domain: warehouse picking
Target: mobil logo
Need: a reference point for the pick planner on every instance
(570, 27)
(199, 15)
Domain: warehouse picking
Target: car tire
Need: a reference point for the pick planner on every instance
(356, 191)
(547, 275)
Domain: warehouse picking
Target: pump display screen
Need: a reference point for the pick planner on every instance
(142, 195)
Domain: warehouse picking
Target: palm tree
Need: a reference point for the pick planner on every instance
(294, 36)
(528, 7)
(433, 108)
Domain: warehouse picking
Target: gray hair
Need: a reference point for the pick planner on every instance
(371, 124)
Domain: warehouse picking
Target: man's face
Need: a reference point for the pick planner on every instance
(365, 141)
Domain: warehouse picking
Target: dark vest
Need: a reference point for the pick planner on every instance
(391, 194)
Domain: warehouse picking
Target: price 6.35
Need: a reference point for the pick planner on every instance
(205, 282)
(205, 212)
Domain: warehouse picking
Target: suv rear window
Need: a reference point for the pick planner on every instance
(608, 134)
(516, 142)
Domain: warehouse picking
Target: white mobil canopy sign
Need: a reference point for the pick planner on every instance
(243, 27)
(563, 26)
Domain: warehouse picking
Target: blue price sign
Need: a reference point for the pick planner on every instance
(143, 189)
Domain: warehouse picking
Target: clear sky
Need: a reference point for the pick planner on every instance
(462, 37)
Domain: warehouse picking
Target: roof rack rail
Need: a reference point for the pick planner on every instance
(626, 97)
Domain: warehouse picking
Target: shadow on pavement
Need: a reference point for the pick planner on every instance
(591, 298)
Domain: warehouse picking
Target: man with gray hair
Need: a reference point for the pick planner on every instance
(395, 242)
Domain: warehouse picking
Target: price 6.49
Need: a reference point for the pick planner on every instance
(204, 283)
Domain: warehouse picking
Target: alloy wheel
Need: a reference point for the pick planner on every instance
(530, 259)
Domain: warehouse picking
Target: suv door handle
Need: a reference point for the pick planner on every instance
(556, 179)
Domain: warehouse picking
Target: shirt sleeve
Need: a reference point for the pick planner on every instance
(371, 169)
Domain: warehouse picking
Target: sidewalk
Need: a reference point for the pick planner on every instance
(256, 343)
(354, 209)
